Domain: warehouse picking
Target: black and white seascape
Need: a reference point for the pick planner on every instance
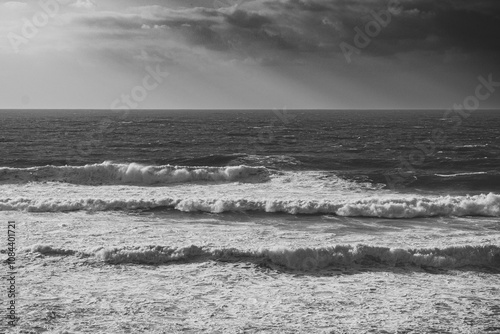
(253, 166)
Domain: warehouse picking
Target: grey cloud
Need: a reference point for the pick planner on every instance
(320, 26)
(248, 20)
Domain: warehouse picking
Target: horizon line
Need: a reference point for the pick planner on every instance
(240, 109)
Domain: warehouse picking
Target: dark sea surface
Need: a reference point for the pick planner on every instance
(403, 150)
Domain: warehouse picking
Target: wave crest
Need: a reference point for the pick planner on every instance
(307, 259)
(411, 207)
(133, 173)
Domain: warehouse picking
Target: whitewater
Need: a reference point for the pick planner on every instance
(218, 190)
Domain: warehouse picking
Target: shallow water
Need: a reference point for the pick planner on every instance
(173, 272)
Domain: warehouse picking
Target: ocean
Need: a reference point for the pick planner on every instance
(283, 221)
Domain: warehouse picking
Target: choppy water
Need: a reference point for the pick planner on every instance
(377, 164)
(419, 149)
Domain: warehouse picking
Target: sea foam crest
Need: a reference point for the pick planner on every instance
(409, 207)
(133, 173)
(297, 259)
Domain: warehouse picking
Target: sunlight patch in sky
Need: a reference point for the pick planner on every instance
(246, 54)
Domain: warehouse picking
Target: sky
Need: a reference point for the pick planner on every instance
(248, 54)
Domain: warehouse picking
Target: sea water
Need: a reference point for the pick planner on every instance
(297, 190)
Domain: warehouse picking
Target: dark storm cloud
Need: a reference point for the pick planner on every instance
(320, 25)
(469, 29)
(421, 25)
(247, 20)
(301, 5)
(435, 26)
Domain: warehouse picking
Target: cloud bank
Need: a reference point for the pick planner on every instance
(262, 34)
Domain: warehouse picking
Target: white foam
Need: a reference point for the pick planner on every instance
(461, 174)
(133, 173)
(297, 259)
(387, 207)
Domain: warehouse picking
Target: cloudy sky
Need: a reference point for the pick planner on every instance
(173, 54)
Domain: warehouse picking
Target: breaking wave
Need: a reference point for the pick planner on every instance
(132, 174)
(409, 207)
(308, 259)
(461, 174)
